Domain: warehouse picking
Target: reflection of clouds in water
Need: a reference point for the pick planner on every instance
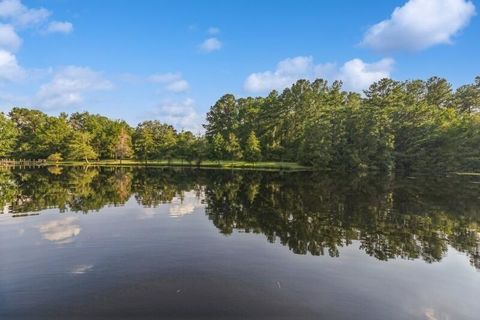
(61, 230)
(430, 314)
(178, 207)
(181, 207)
(148, 213)
(81, 269)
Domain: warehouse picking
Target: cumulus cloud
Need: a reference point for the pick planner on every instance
(210, 45)
(9, 68)
(9, 39)
(20, 15)
(15, 16)
(69, 86)
(420, 24)
(181, 114)
(172, 82)
(286, 73)
(64, 27)
(355, 74)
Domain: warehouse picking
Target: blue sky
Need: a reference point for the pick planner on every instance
(171, 60)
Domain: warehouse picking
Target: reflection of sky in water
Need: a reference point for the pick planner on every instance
(178, 207)
(81, 269)
(118, 260)
(61, 230)
(231, 250)
(183, 206)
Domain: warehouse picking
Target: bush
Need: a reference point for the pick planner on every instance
(55, 157)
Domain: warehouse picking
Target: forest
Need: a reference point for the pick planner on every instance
(403, 126)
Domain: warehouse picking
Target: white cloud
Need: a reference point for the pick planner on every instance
(210, 45)
(9, 39)
(181, 114)
(355, 74)
(69, 86)
(173, 82)
(420, 24)
(178, 86)
(165, 77)
(15, 16)
(213, 31)
(20, 15)
(61, 230)
(59, 27)
(286, 73)
(9, 68)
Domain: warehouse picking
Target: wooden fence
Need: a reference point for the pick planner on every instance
(22, 162)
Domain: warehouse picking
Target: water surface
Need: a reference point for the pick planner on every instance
(151, 243)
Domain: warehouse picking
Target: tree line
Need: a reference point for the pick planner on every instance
(31, 134)
(394, 125)
(404, 126)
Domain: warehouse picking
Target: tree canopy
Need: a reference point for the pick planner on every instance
(394, 125)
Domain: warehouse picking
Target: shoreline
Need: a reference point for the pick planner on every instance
(225, 164)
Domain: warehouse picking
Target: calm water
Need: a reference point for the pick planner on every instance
(155, 243)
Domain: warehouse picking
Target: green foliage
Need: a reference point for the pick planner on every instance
(222, 117)
(184, 146)
(55, 157)
(28, 123)
(405, 126)
(8, 136)
(252, 148)
(154, 140)
(79, 147)
(53, 136)
(232, 147)
(218, 146)
(199, 150)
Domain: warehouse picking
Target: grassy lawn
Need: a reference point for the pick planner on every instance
(225, 164)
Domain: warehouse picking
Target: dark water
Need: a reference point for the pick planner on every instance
(157, 243)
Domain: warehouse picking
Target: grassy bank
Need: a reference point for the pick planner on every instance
(225, 164)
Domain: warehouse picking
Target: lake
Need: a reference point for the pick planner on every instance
(150, 243)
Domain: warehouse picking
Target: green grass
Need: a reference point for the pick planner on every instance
(225, 164)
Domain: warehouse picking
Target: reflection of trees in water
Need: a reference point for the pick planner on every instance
(8, 189)
(390, 218)
(153, 187)
(316, 216)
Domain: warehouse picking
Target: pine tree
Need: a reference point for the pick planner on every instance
(233, 147)
(252, 149)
